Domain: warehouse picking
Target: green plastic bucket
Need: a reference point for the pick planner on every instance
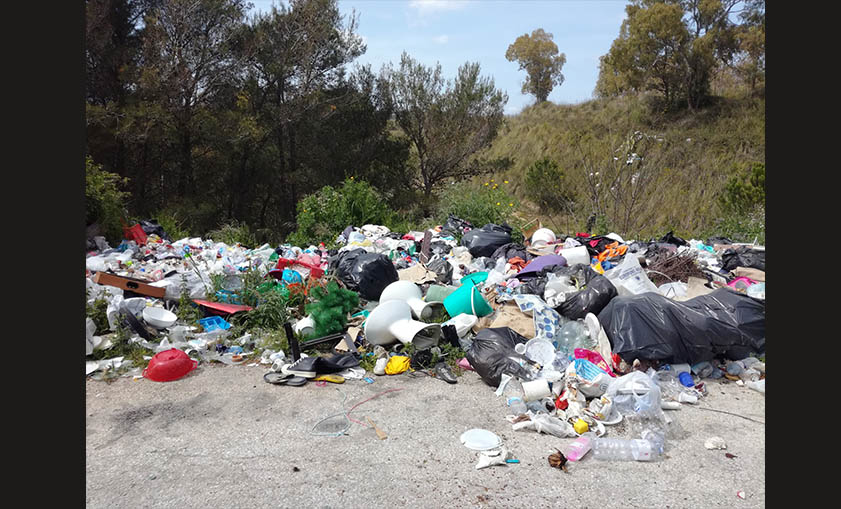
(460, 301)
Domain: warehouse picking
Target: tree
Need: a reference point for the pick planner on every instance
(448, 123)
(750, 59)
(538, 56)
(671, 46)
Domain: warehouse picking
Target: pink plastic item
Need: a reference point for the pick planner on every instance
(741, 282)
(595, 358)
(578, 448)
(464, 364)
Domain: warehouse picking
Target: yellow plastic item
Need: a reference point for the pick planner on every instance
(580, 426)
(336, 379)
(397, 365)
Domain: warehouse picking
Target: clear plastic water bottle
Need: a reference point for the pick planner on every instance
(623, 450)
(516, 405)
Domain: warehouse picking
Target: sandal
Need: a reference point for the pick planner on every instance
(277, 378)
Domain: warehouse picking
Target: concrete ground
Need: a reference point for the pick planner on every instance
(222, 437)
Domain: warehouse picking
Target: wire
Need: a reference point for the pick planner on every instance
(725, 412)
(346, 415)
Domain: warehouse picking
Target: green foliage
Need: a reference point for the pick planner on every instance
(270, 314)
(744, 227)
(486, 202)
(173, 223)
(97, 311)
(187, 311)
(232, 233)
(745, 190)
(539, 57)
(547, 186)
(322, 216)
(104, 200)
(331, 307)
(448, 123)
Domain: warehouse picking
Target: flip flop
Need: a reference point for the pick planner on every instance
(336, 379)
(276, 378)
(297, 381)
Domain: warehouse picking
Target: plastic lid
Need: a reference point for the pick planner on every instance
(480, 439)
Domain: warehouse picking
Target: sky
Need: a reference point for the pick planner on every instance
(452, 32)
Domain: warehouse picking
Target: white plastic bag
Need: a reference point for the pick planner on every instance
(630, 275)
(636, 394)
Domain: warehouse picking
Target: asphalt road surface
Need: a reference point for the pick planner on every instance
(222, 437)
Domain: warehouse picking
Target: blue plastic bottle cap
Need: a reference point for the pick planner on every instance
(686, 379)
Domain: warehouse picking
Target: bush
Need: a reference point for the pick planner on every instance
(487, 202)
(745, 191)
(104, 200)
(546, 185)
(232, 233)
(322, 216)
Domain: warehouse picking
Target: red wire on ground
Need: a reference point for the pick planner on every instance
(347, 414)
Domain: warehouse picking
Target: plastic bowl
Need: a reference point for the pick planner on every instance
(169, 365)
(159, 318)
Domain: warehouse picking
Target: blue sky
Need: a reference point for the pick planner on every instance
(452, 32)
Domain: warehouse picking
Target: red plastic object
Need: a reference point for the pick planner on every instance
(220, 308)
(135, 233)
(282, 263)
(169, 365)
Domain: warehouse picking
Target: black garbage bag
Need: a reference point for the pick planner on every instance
(512, 250)
(743, 257)
(671, 238)
(440, 248)
(653, 327)
(718, 240)
(443, 270)
(151, 227)
(592, 299)
(455, 226)
(365, 273)
(579, 274)
(492, 354)
(486, 240)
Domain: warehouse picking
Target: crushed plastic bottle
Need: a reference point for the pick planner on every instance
(580, 446)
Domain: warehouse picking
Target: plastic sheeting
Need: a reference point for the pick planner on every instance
(651, 326)
(486, 240)
(492, 354)
(743, 257)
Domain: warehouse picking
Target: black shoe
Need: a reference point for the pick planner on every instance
(303, 367)
(442, 371)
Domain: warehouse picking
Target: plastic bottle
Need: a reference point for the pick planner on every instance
(623, 450)
(516, 405)
(580, 446)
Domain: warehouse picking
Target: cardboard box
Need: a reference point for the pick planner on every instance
(132, 285)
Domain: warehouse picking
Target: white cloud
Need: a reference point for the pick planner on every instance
(426, 6)
(441, 39)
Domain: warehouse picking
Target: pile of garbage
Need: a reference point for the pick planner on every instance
(576, 332)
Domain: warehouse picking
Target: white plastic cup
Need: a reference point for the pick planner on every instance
(535, 390)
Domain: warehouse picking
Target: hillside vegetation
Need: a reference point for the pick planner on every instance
(682, 165)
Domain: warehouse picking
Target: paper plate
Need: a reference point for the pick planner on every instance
(480, 439)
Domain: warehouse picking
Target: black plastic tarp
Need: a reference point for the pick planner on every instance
(743, 257)
(365, 273)
(486, 240)
(492, 354)
(512, 250)
(724, 323)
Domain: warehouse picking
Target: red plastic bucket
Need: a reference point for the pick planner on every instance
(169, 365)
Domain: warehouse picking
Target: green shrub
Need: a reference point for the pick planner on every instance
(323, 215)
(232, 233)
(104, 200)
(174, 223)
(483, 203)
(545, 183)
(744, 191)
